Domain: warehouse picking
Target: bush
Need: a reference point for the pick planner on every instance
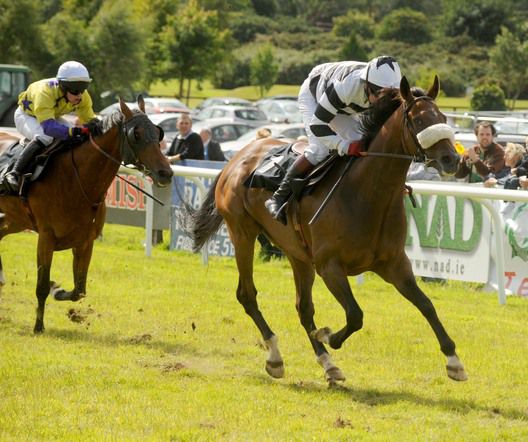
(405, 25)
(488, 96)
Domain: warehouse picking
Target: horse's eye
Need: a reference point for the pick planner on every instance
(136, 135)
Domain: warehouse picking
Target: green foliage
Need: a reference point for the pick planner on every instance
(354, 23)
(488, 97)
(267, 8)
(264, 69)
(480, 19)
(509, 57)
(245, 27)
(405, 25)
(194, 43)
(353, 50)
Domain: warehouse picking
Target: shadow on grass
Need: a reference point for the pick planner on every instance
(374, 397)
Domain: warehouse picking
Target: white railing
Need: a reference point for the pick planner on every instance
(482, 195)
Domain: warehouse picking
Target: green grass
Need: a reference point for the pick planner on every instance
(171, 88)
(165, 352)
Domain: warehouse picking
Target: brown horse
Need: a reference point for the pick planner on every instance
(362, 228)
(66, 206)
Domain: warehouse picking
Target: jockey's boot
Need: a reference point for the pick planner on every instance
(276, 204)
(23, 161)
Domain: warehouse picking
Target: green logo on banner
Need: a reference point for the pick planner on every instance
(438, 233)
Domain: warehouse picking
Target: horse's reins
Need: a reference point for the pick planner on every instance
(114, 160)
(408, 124)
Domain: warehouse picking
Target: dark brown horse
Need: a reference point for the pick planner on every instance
(66, 206)
(362, 228)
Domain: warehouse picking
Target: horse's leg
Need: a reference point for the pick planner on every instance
(243, 238)
(400, 274)
(45, 250)
(337, 282)
(304, 275)
(82, 256)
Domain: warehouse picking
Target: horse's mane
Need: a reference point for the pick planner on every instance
(376, 115)
(99, 127)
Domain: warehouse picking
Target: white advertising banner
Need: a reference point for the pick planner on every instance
(448, 237)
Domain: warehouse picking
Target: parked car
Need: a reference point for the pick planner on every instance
(223, 129)
(244, 114)
(219, 101)
(281, 111)
(157, 105)
(284, 131)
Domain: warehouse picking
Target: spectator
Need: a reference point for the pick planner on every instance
(515, 158)
(212, 150)
(187, 145)
(263, 132)
(486, 157)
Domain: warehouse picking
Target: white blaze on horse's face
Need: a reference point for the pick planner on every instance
(434, 133)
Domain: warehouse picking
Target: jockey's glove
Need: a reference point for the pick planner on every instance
(79, 133)
(352, 150)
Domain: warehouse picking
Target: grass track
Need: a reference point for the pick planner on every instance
(165, 352)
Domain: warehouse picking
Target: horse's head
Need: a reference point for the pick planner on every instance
(142, 144)
(427, 127)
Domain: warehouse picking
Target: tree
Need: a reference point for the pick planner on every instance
(353, 50)
(488, 97)
(20, 39)
(194, 43)
(509, 57)
(405, 25)
(354, 22)
(264, 69)
(480, 19)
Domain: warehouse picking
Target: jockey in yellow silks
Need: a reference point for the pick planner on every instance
(40, 108)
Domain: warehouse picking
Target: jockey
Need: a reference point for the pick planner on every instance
(40, 107)
(330, 101)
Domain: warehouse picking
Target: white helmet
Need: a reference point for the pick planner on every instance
(382, 71)
(73, 71)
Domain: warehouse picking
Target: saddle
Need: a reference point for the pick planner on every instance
(273, 166)
(35, 169)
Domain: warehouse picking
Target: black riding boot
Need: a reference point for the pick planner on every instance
(13, 177)
(276, 204)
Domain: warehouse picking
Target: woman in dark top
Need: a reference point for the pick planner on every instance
(187, 145)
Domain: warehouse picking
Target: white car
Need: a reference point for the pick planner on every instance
(158, 105)
(289, 132)
(281, 111)
(244, 114)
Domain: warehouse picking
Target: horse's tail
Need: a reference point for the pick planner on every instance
(206, 220)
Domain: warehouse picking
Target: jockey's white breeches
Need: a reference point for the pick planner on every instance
(31, 128)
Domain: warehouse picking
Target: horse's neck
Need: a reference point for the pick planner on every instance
(97, 168)
(389, 140)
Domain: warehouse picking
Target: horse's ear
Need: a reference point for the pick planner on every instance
(125, 110)
(405, 90)
(141, 103)
(433, 90)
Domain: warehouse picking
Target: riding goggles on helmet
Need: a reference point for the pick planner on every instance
(74, 87)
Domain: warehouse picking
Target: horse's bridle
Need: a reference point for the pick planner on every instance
(127, 140)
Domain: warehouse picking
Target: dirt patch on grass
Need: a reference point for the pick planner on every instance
(79, 315)
(140, 339)
(172, 366)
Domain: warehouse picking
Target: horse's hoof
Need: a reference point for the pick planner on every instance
(39, 329)
(456, 372)
(62, 295)
(322, 335)
(275, 369)
(334, 374)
